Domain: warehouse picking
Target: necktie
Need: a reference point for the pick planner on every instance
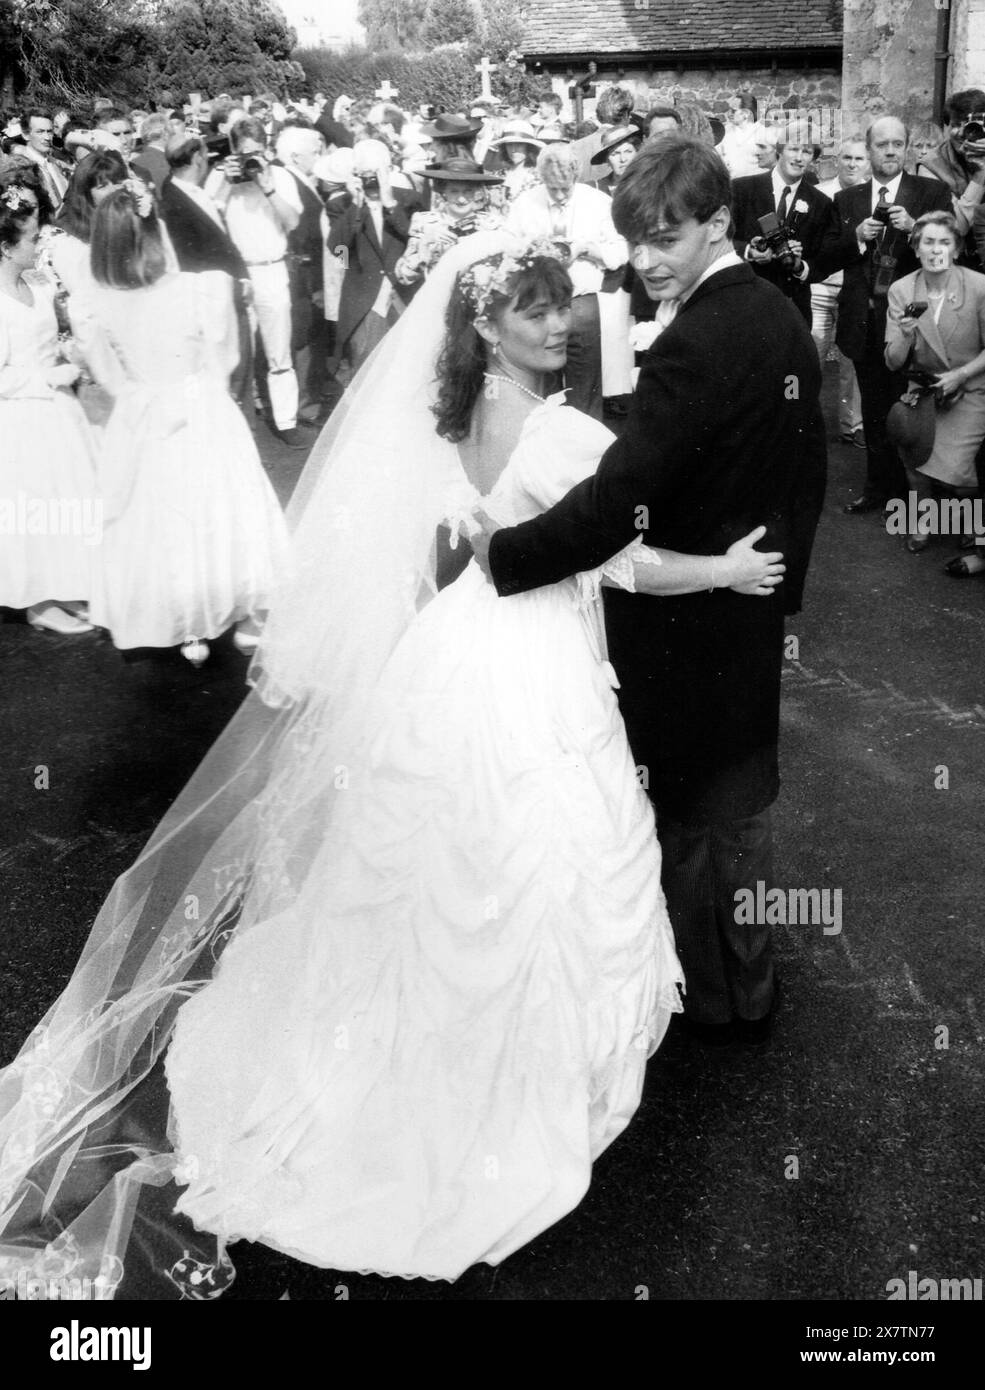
(784, 203)
(883, 197)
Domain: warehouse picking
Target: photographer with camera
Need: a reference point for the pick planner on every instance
(369, 235)
(960, 163)
(262, 207)
(876, 219)
(784, 227)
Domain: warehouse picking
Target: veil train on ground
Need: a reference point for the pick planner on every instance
(86, 1164)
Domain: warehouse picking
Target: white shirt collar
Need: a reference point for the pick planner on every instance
(892, 185)
(779, 186)
(723, 263)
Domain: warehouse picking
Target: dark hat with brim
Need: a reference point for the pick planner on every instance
(613, 138)
(460, 171)
(452, 128)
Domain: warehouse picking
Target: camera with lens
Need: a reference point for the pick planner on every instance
(974, 128)
(880, 213)
(371, 183)
(775, 236)
(249, 167)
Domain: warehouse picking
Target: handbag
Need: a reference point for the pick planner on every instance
(912, 420)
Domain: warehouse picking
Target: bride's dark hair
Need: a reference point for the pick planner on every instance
(464, 353)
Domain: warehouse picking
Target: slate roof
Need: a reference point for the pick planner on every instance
(679, 27)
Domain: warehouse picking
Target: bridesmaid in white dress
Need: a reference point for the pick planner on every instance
(50, 517)
(66, 256)
(194, 535)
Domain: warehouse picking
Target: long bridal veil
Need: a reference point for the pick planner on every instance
(86, 1166)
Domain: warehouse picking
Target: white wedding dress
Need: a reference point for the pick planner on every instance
(412, 1067)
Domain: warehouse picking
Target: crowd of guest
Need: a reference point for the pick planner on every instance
(159, 270)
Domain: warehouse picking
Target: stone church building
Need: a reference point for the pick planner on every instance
(840, 62)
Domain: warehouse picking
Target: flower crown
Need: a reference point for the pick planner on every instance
(16, 198)
(491, 277)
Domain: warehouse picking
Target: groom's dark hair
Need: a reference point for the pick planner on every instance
(673, 177)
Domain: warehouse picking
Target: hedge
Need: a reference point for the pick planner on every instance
(444, 78)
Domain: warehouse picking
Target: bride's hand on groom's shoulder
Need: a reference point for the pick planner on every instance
(481, 539)
(751, 571)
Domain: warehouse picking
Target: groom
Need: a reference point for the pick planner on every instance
(725, 433)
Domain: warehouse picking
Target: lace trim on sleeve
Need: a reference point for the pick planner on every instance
(621, 569)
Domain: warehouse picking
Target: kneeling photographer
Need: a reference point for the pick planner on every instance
(784, 227)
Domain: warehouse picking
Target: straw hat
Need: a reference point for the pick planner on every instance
(517, 133)
(614, 136)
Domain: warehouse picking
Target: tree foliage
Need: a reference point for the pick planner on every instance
(69, 50)
(392, 25)
(451, 22)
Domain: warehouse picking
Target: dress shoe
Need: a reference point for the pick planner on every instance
(965, 566)
(711, 1034)
(752, 1031)
(49, 617)
(854, 437)
(864, 504)
(293, 438)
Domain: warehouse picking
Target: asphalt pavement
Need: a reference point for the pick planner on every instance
(841, 1155)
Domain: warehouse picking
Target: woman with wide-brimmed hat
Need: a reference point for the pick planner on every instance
(619, 147)
(460, 207)
(452, 137)
(517, 149)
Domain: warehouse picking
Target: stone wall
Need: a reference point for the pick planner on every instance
(711, 88)
(967, 45)
(889, 57)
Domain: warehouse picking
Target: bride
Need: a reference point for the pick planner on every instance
(420, 855)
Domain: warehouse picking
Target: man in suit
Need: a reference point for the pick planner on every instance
(725, 432)
(876, 220)
(370, 233)
(39, 132)
(200, 240)
(298, 150)
(152, 163)
(807, 216)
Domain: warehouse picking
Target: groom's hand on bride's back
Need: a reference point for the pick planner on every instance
(481, 541)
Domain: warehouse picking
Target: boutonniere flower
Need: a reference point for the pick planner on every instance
(800, 206)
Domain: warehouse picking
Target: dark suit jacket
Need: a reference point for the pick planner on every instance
(368, 260)
(199, 243)
(725, 433)
(853, 205)
(818, 230)
(153, 167)
(305, 248)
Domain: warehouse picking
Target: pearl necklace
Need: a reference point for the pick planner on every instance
(491, 376)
